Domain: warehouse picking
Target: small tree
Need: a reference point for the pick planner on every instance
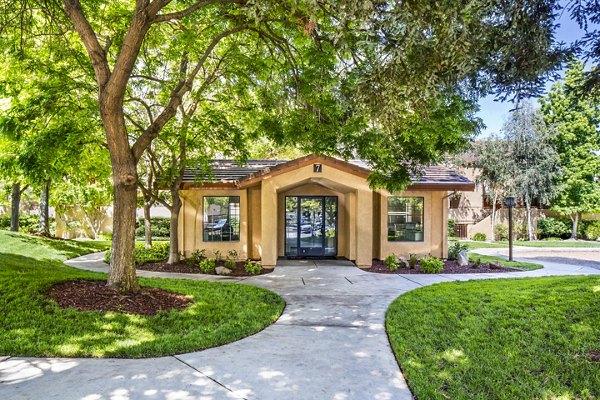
(532, 162)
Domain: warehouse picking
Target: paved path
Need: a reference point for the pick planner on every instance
(330, 343)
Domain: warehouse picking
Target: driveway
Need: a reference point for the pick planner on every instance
(330, 343)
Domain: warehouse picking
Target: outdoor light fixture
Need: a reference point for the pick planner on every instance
(510, 203)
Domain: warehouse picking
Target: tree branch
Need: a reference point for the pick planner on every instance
(154, 197)
(90, 41)
(184, 86)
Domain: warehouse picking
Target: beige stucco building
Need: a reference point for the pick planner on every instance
(313, 206)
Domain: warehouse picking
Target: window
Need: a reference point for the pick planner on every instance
(221, 219)
(405, 219)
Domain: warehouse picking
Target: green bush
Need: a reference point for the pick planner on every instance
(479, 237)
(455, 249)
(476, 263)
(592, 230)
(413, 260)
(158, 252)
(232, 256)
(207, 266)
(391, 262)
(451, 226)
(432, 265)
(552, 227)
(196, 257)
(27, 223)
(253, 268)
(160, 227)
(501, 232)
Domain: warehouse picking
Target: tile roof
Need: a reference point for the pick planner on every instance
(231, 172)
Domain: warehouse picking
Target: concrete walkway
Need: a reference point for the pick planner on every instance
(330, 343)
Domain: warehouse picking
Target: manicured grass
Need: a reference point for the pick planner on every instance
(534, 243)
(523, 266)
(499, 339)
(32, 325)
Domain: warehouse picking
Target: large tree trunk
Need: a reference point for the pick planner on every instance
(44, 221)
(174, 256)
(15, 205)
(121, 273)
(575, 220)
(147, 224)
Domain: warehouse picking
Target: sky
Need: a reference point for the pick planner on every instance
(494, 113)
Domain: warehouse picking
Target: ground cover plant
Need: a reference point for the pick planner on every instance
(33, 325)
(500, 339)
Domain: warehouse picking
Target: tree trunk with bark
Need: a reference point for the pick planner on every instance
(14, 208)
(575, 219)
(147, 223)
(44, 221)
(530, 235)
(174, 256)
(493, 235)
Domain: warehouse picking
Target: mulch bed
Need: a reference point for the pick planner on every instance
(450, 267)
(183, 267)
(85, 295)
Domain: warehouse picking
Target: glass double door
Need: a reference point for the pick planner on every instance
(311, 226)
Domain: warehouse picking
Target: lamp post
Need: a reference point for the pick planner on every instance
(510, 203)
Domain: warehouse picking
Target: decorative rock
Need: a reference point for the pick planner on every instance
(463, 259)
(496, 265)
(403, 262)
(222, 271)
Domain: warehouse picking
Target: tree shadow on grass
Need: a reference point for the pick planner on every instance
(67, 248)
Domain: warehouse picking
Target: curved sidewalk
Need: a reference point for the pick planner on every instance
(330, 343)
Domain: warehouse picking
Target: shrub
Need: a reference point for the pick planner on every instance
(548, 227)
(432, 265)
(159, 227)
(455, 249)
(218, 257)
(479, 237)
(592, 230)
(196, 257)
(413, 260)
(158, 252)
(252, 267)
(232, 256)
(27, 223)
(207, 266)
(451, 226)
(391, 262)
(501, 232)
(476, 263)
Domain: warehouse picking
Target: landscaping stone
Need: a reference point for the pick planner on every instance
(222, 271)
(403, 262)
(463, 259)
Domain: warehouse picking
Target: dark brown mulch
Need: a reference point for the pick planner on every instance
(183, 267)
(450, 267)
(85, 295)
(594, 355)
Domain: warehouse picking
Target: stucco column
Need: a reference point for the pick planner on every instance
(445, 206)
(268, 229)
(364, 228)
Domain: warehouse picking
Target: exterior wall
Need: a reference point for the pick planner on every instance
(72, 224)
(191, 223)
(357, 196)
(254, 223)
(434, 225)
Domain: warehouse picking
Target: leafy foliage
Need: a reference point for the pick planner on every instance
(455, 248)
(432, 265)
(391, 262)
(160, 227)
(158, 252)
(252, 267)
(552, 227)
(479, 237)
(207, 266)
(413, 260)
(592, 231)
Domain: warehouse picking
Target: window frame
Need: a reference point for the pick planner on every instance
(228, 221)
(422, 231)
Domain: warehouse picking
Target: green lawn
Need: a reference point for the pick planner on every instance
(32, 325)
(534, 243)
(523, 266)
(499, 339)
